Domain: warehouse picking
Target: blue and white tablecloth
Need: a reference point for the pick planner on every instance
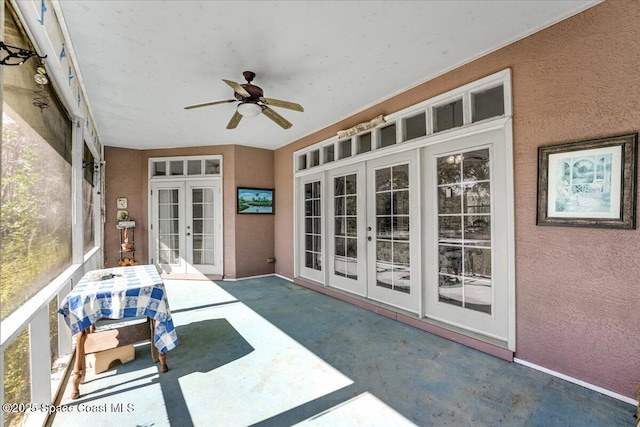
(125, 292)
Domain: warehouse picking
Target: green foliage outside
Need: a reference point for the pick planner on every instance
(36, 243)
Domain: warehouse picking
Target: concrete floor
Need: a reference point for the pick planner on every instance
(266, 352)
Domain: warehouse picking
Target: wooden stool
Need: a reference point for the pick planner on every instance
(104, 347)
(88, 341)
(102, 360)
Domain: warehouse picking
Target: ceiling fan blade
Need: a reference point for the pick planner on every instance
(206, 104)
(280, 121)
(235, 119)
(237, 88)
(283, 104)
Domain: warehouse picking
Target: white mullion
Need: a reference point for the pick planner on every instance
(324, 225)
(429, 121)
(400, 125)
(467, 114)
(375, 138)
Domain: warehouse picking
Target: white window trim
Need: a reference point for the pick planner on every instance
(183, 178)
(183, 159)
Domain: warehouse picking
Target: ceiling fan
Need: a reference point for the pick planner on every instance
(252, 102)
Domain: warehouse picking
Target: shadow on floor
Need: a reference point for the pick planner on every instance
(204, 346)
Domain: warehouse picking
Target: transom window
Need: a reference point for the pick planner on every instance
(484, 99)
(185, 166)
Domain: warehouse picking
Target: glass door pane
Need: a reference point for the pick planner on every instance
(393, 267)
(346, 229)
(393, 231)
(346, 226)
(310, 223)
(312, 226)
(204, 227)
(168, 226)
(202, 220)
(464, 230)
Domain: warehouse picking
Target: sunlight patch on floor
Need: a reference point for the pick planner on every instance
(362, 410)
(272, 375)
(277, 376)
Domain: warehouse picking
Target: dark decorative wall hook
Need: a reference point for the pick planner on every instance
(12, 55)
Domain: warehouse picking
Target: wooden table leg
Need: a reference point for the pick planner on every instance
(155, 354)
(79, 367)
(154, 351)
(163, 362)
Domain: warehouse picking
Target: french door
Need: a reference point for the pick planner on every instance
(435, 242)
(186, 221)
(347, 229)
(393, 230)
(371, 209)
(466, 234)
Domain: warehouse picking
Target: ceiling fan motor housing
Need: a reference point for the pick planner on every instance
(249, 76)
(254, 91)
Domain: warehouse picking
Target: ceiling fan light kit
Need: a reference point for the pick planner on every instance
(249, 109)
(252, 102)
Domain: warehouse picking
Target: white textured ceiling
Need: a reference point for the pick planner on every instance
(143, 61)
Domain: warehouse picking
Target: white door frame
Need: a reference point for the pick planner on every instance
(300, 224)
(154, 191)
(407, 301)
(357, 286)
(216, 186)
(503, 155)
(185, 244)
(500, 324)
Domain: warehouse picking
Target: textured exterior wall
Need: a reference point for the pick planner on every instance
(577, 289)
(123, 179)
(254, 232)
(126, 176)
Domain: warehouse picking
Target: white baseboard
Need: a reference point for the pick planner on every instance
(577, 381)
(283, 277)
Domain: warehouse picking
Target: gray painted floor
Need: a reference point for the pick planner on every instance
(266, 352)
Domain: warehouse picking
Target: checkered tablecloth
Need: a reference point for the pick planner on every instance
(126, 292)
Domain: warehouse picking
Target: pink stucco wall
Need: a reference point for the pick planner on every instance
(577, 289)
(254, 233)
(246, 239)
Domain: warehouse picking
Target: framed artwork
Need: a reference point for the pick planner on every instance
(588, 183)
(255, 200)
(123, 215)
